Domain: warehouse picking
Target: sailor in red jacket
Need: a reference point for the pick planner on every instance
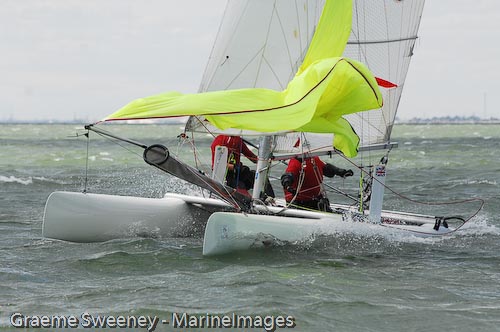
(238, 175)
(302, 182)
(235, 146)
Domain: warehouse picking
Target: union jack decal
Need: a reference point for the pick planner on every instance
(380, 170)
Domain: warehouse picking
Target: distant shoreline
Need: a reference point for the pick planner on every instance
(430, 122)
(398, 122)
(425, 123)
(83, 123)
(449, 120)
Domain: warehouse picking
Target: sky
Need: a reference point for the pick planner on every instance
(84, 59)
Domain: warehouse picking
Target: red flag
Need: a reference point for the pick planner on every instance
(385, 84)
(297, 144)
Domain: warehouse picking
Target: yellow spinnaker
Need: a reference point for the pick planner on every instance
(326, 87)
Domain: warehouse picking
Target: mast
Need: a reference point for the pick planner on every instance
(263, 163)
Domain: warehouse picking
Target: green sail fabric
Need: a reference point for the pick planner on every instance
(325, 88)
(332, 32)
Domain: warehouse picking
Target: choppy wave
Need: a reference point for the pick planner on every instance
(480, 226)
(358, 235)
(29, 180)
(13, 179)
(354, 269)
(461, 182)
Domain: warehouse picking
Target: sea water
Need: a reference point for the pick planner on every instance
(358, 282)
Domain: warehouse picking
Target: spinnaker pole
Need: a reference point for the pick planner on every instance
(159, 156)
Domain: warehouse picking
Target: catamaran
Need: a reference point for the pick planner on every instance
(307, 78)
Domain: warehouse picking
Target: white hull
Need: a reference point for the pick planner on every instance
(80, 217)
(228, 232)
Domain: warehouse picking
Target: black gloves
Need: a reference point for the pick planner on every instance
(286, 182)
(330, 171)
(345, 173)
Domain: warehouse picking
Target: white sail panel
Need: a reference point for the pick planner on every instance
(261, 43)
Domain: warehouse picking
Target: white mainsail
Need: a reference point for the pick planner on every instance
(261, 43)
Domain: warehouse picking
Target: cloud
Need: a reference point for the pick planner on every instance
(455, 61)
(90, 57)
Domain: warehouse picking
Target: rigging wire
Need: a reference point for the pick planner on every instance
(209, 131)
(340, 192)
(116, 141)
(455, 202)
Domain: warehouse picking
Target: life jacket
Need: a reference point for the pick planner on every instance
(310, 189)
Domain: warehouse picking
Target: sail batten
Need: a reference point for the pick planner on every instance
(384, 41)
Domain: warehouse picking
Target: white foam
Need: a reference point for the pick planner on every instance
(480, 226)
(13, 179)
